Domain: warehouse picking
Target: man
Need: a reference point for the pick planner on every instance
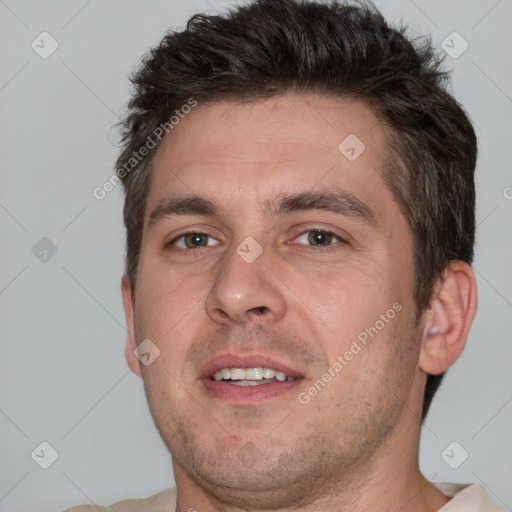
(300, 226)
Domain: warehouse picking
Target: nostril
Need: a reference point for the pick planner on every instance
(260, 310)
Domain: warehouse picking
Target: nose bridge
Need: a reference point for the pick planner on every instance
(244, 287)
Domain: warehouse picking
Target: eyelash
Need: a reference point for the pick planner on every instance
(319, 248)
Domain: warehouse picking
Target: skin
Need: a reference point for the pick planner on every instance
(355, 445)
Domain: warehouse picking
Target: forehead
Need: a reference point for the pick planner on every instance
(243, 152)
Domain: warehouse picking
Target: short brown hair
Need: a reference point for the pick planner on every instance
(270, 47)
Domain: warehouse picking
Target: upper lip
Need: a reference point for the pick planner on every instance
(245, 361)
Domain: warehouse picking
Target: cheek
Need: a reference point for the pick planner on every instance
(385, 361)
(166, 301)
(347, 297)
(365, 312)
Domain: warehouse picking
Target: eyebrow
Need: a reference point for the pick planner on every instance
(336, 201)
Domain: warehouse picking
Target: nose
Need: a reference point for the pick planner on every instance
(245, 292)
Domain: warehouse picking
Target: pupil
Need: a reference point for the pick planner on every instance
(320, 237)
(195, 240)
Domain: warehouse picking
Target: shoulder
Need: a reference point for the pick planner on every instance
(466, 497)
(160, 502)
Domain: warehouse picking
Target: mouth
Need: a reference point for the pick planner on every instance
(250, 376)
(248, 380)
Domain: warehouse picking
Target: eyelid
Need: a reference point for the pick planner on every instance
(341, 239)
(340, 234)
(189, 231)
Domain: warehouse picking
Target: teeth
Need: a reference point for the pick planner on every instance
(237, 374)
(254, 373)
(250, 376)
(280, 376)
(248, 382)
(268, 373)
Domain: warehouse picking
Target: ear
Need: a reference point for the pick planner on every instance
(448, 318)
(129, 309)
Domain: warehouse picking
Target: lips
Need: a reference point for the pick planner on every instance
(245, 392)
(246, 361)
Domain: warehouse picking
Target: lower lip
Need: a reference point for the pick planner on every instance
(244, 395)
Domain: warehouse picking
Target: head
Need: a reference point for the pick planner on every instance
(250, 120)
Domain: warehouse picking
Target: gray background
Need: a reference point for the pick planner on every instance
(63, 377)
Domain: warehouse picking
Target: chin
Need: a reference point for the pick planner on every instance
(278, 477)
(236, 485)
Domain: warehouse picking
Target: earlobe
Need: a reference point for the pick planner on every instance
(129, 311)
(448, 318)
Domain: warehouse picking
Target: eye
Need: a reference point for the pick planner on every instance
(319, 237)
(191, 240)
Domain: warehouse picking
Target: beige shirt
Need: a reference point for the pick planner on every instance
(465, 498)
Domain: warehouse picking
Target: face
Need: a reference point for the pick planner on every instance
(271, 241)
